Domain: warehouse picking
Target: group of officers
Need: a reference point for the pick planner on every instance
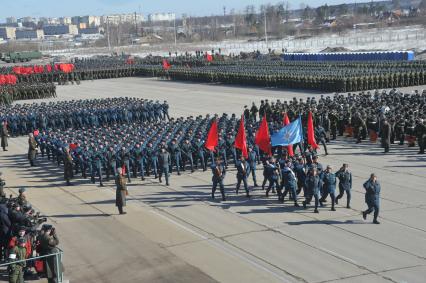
(21, 238)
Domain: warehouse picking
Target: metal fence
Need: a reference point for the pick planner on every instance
(58, 263)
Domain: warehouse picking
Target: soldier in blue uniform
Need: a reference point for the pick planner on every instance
(345, 184)
(312, 188)
(243, 168)
(164, 160)
(329, 180)
(252, 159)
(372, 198)
(219, 172)
(289, 182)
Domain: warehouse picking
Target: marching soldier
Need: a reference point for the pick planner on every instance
(345, 184)
(243, 168)
(372, 198)
(219, 172)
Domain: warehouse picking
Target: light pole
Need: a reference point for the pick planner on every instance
(174, 26)
(266, 33)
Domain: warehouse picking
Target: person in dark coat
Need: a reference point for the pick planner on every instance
(121, 191)
(243, 169)
(48, 245)
(385, 135)
(164, 160)
(219, 172)
(68, 167)
(345, 184)
(372, 197)
(329, 180)
(5, 228)
(289, 182)
(32, 149)
(4, 134)
(312, 188)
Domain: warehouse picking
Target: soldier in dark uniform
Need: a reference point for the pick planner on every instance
(385, 135)
(32, 149)
(219, 172)
(243, 168)
(68, 166)
(345, 184)
(121, 191)
(312, 188)
(187, 150)
(4, 134)
(164, 161)
(289, 182)
(252, 159)
(329, 180)
(372, 198)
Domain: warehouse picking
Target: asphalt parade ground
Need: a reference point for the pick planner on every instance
(177, 233)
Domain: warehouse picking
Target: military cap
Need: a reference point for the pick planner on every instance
(21, 190)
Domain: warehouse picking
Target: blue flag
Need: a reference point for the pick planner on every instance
(290, 134)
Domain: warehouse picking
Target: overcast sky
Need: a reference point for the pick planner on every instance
(57, 8)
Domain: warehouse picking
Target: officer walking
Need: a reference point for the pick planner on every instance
(345, 184)
(219, 172)
(252, 159)
(164, 160)
(121, 191)
(243, 168)
(372, 197)
(329, 180)
(312, 188)
(289, 182)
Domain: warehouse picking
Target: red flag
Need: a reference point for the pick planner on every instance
(49, 68)
(123, 168)
(73, 146)
(209, 58)
(166, 64)
(263, 139)
(36, 132)
(213, 137)
(286, 121)
(311, 134)
(241, 140)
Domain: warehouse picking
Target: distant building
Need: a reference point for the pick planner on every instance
(161, 17)
(65, 21)
(26, 20)
(93, 30)
(29, 34)
(121, 18)
(91, 21)
(60, 29)
(8, 32)
(11, 20)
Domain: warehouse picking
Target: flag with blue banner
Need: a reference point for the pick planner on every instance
(290, 134)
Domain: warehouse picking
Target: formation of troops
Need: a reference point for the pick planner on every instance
(125, 138)
(325, 76)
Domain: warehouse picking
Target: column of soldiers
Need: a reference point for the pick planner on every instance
(24, 118)
(325, 76)
(21, 238)
(24, 91)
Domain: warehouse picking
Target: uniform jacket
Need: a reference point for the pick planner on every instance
(372, 192)
(345, 180)
(329, 180)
